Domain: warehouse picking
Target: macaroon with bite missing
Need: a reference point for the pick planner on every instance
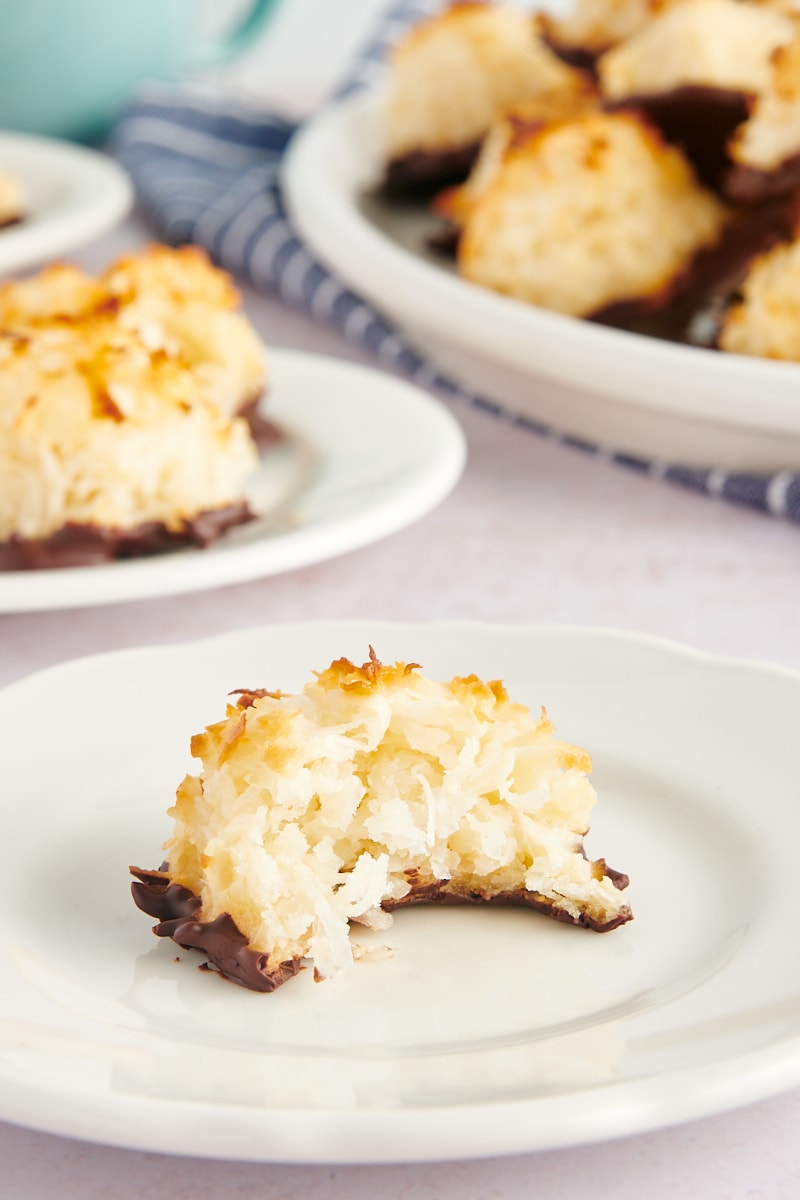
(374, 788)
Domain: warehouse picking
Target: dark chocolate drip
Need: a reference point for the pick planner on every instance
(709, 283)
(580, 57)
(748, 185)
(447, 892)
(445, 241)
(425, 172)
(176, 909)
(699, 119)
(583, 58)
(619, 879)
(226, 947)
(76, 545)
(265, 433)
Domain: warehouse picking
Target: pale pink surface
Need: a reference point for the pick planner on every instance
(533, 533)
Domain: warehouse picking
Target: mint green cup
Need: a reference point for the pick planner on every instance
(68, 66)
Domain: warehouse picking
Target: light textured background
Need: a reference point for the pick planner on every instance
(534, 532)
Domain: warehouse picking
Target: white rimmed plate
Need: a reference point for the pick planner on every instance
(364, 455)
(72, 195)
(487, 1031)
(631, 393)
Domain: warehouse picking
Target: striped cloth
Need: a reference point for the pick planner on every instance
(207, 170)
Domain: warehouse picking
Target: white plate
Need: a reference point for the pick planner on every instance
(71, 194)
(632, 393)
(365, 455)
(488, 1031)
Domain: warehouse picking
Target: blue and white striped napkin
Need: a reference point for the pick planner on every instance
(207, 170)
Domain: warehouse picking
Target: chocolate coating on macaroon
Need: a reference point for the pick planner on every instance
(75, 545)
(698, 118)
(448, 891)
(749, 185)
(422, 173)
(228, 951)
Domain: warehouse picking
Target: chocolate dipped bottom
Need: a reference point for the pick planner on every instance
(581, 57)
(229, 953)
(421, 173)
(449, 891)
(748, 185)
(226, 948)
(76, 545)
(709, 282)
(264, 432)
(698, 118)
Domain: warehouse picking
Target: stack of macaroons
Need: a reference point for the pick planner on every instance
(12, 199)
(374, 788)
(649, 181)
(119, 396)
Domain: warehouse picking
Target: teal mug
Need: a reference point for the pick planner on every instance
(68, 66)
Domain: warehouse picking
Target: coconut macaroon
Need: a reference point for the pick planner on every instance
(588, 213)
(509, 128)
(178, 301)
(174, 300)
(374, 788)
(716, 44)
(12, 200)
(447, 79)
(766, 322)
(110, 449)
(766, 148)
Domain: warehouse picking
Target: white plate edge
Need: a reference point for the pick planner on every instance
(28, 244)
(458, 626)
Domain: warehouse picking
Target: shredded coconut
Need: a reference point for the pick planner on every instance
(315, 810)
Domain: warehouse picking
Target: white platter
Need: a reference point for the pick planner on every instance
(364, 455)
(620, 390)
(72, 195)
(488, 1031)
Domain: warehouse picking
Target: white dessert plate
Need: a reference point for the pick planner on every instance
(72, 195)
(362, 456)
(630, 393)
(485, 1031)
